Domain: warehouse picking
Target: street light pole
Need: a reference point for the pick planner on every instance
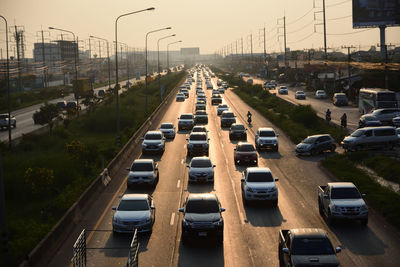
(158, 60)
(108, 56)
(147, 34)
(116, 68)
(168, 53)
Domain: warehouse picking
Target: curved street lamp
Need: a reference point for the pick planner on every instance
(116, 68)
(158, 60)
(147, 34)
(180, 41)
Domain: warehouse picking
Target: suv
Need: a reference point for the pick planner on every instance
(315, 144)
(185, 121)
(201, 169)
(197, 144)
(340, 99)
(259, 184)
(266, 138)
(4, 121)
(143, 172)
(153, 141)
(134, 211)
(227, 118)
(238, 131)
(202, 218)
(300, 95)
(168, 130)
(245, 152)
(200, 116)
(320, 94)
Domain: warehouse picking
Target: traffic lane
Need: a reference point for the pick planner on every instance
(302, 175)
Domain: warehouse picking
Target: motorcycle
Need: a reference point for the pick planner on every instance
(249, 119)
(328, 117)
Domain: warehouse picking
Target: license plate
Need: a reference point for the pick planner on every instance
(202, 233)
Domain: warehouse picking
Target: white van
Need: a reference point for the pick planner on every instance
(371, 137)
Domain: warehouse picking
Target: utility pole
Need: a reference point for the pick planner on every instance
(90, 50)
(44, 62)
(284, 39)
(323, 10)
(265, 48)
(18, 41)
(348, 64)
(242, 46)
(251, 46)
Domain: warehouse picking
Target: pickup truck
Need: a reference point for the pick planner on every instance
(306, 247)
(342, 201)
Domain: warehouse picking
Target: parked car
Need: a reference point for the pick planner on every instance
(386, 115)
(101, 92)
(186, 121)
(396, 121)
(72, 105)
(266, 138)
(306, 247)
(340, 99)
(153, 141)
(370, 138)
(342, 200)
(201, 169)
(258, 184)
(320, 94)
(134, 211)
(300, 95)
(221, 108)
(200, 106)
(368, 120)
(227, 119)
(202, 218)
(143, 172)
(168, 130)
(283, 90)
(316, 144)
(245, 152)
(200, 116)
(238, 132)
(180, 97)
(4, 121)
(197, 144)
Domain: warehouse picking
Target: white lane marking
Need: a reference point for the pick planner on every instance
(222, 145)
(172, 219)
(237, 203)
(179, 184)
(182, 161)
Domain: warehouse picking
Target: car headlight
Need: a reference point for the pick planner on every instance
(159, 144)
(116, 220)
(249, 189)
(335, 208)
(273, 189)
(364, 208)
(146, 220)
(219, 222)
(144, 145)
(186, 222)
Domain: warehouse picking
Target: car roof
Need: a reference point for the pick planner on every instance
(204, 196)
(308, 232)
(378, 127)
(143, 161)
(154, 132)
(201, 158)
(319, 135)
(266, 129)
(342, 185)
(258, 169)
(135, 197)
(197, 133)
(191, 114)
(244, 143)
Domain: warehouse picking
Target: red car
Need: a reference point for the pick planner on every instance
(245, 152)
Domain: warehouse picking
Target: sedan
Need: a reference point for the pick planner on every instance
(168, 130)
(221, 108)
(300, 95)
(201, 169)
(134, 211)
(283, 90)
(320, 94)
(238, 131)
(368, 120)
(180, 97)
(245, 152)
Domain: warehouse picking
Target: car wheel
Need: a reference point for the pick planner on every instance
(333, 148)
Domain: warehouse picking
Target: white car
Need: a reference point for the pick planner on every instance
(134, 211)
(168, 130)
(283, 90)
(153, 141)
(142, 172)
(221, 108)
(320, 94)
(258, 184)
(266, 138)
(300, 95)
(201, 169)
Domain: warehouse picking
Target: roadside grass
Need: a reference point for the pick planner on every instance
(382, 199)
(44, 175)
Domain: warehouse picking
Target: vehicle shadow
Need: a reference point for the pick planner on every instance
(358, 239)
(117, 245)
(200, 187)
(269, 155)
(317, 158)
(200, 253)
(263, 214)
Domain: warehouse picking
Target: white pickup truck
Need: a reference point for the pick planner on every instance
(342, 200)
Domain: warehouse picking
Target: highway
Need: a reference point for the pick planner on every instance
(251, 232)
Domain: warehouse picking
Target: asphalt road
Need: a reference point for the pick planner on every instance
(251, 232)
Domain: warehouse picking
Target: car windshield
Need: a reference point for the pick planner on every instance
(312, 246)
(201, 113)
(357, 133)
(345, 193)
(127, 205)
(300, 92)
(197, 137)
(187, 117)
(239, 127)
(142, 167)
(267, 133)
(222, 106)
(167, 126)
(309, 140)
(245, 148)
(153, 136)
(341, 96)
(202, 206)
(201, 163)
(3, 116)
(198, 129)
(259, 177)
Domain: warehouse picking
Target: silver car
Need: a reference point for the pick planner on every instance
(266, 138)
(134, 211)
(221, 108)
(201, 169)
(143, 172)
(153, 141)
(168, 130)
(186, 121)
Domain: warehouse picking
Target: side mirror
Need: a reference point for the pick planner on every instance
(187, 139)
(180, 210)
(156, 168)
(338, 249)
(276, 179)
(257, 135)
(214, 166)
(223, 209)
(208, 138)
(114, 208)
(141, 138)
(234, 149)
(128, 169)
(277, 135)
(187, 165)
(285, 250)
(242, 180)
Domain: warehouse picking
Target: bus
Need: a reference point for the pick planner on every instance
(370, 99)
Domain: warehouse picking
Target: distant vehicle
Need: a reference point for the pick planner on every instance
(200, 129)
(216, 99)
(238, 132)
(72, 105)
(201, 169)
(134, 211)
(266, 138)
(306, 247)
(200, 106)
(168, 130)
(221, 90)
(300, 95)
(185, 92)
(180, 97)
(227, 119)
(61, 105)
(386, 115)
(201, 116)
(316, 144)
(396, 121)
(245, 152)
(340, 99)
(143, 172)
(320, 94)
(221, 108)
(186, 121)
(101, 92)
(219, 82)
(283, 90)
(198, 144)
(368, 120)
(258, 184)
(202, 218)
(250, 81)
(4, 121)
(371, 137)
(153, 141)
(370, 99)
(342, 201)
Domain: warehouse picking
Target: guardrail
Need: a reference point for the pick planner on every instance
(79, 251)
(133, 255)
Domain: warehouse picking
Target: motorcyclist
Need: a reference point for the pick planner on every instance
(249, 117)
(343, 120)
(328, 115)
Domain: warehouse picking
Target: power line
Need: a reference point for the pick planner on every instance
(302, 39)
(301, 16)
(302, 28)
(337, 4)
(347, 33)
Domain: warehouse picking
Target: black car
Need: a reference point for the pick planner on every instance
(201, 116)
(202, 218)
(238, 132)
(316, 144)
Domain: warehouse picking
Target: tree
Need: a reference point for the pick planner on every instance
(46, 115)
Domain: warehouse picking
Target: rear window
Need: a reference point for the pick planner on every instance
(238, 127)
(187, 117)
(228, 115)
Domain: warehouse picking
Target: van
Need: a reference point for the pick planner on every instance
(370, 138)
(386, 115)
(340, 99)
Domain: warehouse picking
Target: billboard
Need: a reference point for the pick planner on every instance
(190, 51)
(375, 13)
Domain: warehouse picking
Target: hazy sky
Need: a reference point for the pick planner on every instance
(208, 24)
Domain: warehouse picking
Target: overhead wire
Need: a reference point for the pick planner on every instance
(340, 3)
